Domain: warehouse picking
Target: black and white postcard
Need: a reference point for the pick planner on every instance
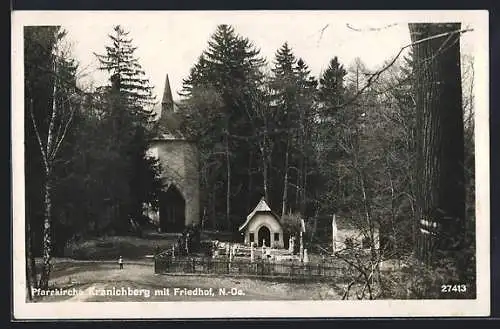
(250, 164)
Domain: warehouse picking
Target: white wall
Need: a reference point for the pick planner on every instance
(356, 235)
(179, 163)
(272, 224)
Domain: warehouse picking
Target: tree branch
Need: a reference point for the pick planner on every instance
(349, 26)
(37, 132)
(346, 292)
(61, 138)
(374, 76)
(50, 134)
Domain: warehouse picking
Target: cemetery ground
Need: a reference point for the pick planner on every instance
(93, 267)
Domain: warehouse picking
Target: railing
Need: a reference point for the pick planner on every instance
(259, 268)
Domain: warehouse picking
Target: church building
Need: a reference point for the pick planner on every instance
(178, 156)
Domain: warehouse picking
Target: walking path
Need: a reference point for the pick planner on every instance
(104, 281)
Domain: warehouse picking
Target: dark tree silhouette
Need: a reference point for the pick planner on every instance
(440, 138)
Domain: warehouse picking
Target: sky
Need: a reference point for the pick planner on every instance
(170, 42)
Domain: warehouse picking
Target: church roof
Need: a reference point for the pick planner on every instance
(262, 206)
(167, 93)
(169, 121)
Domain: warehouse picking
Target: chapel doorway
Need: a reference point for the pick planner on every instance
(172, 210)
(264, 234)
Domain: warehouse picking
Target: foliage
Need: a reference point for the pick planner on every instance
(127, 114)
(50, 122)
(331, 93)
(415, 280)
(120, 62)
(220, 87)
(102, 176)
(189, 242)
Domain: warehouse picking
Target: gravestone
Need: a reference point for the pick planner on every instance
(301, 250)
(306, 257)
(187, 243)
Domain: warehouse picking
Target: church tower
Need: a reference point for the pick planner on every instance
(178, 156)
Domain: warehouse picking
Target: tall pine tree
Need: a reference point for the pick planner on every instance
(306, 106)
(120, 62)
(283, 90)
(293, 92)
(128, 111)
(331, 94)
(331, 91)
(227, 76)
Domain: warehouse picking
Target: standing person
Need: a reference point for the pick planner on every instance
(120, 261)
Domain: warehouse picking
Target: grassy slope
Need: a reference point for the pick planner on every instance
(110, 248)
(132, 247)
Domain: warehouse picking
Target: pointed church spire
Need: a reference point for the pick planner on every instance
(167, 103)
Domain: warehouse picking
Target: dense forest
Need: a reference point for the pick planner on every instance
(386, 148)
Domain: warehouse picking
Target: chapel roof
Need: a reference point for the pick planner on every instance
(262, 206)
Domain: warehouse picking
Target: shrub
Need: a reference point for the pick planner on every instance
(193, 236)
(419, 281)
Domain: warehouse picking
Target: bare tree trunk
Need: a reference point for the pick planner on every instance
(265, 172)
(228, 182)
(250, 182)
(298, 189)
(47, 234)
(213, 211)
(440, 139)
(55, 136)
(357, 77)
(368, 216)
(395, 246)
(306, 154)
(365, 198)
(30, 261)
(285, 184)
(266, 157)
(303, 203)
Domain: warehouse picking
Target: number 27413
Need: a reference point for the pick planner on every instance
(453, 288)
